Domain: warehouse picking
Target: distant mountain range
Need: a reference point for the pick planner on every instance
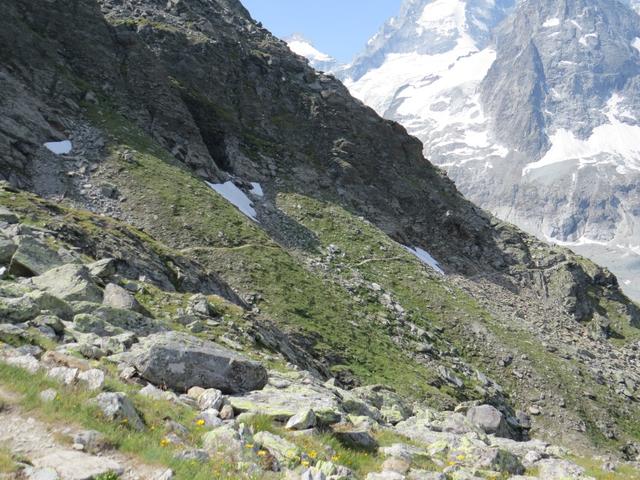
(532, 107)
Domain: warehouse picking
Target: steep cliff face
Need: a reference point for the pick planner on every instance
(358, 258)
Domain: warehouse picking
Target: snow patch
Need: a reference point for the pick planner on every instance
(425, 258)
(256, 189)
(237, 197)
(552, 22)
(616, 140)
(636, 44)
(578, 243)
(59, 148)
(2, 270)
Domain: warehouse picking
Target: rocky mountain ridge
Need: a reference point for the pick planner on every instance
(528, 106)
(179, 160)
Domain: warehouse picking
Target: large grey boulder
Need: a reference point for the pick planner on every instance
(69, 282)
(180, 361)
(33, 257)
(117, 297)
(490, 420)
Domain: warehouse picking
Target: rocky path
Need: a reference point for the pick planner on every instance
(43, 446)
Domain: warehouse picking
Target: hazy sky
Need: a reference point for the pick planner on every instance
(339, 28)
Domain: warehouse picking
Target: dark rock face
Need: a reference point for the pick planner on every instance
(179, 362)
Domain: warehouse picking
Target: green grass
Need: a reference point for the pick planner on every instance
(7, 462)
(336, 327)
(594, 469)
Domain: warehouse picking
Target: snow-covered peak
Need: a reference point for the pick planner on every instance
(303, 47)
(431, 27)
(317, 59)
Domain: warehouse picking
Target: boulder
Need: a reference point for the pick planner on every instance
(283, 450)
(210, 418)
(210, 398)
(74, 465)
(180, 361)
(7, 249)
(222, 439)
(391, 406)
(69, 282)
(28, 362)
(355, 438)
(7, 216)
(302, 420)
(117, 297)
(553, 469)
(115, 406)
(490, 420)
(51, 321)
(33, 257)
(283, 403)
(200, 456)
(18, 310)
(127, 320)
(199, 305)
(93, 378)
(498, 460)
(65, 375)
(102, 270)
(52, 304)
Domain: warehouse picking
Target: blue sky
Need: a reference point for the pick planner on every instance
(339, 28)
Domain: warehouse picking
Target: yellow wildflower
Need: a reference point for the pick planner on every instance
(460, 457)
(262, 453)
(313, 454)
(249, 445)
(164, 442)
(305, 463)
(200, 422)
(335, 458)
(452, 464)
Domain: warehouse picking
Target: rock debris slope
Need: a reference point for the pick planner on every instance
(223, 205)
(529, 106)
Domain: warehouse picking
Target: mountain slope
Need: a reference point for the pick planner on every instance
(528, 123)
(316, 218)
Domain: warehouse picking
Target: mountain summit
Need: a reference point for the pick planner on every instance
(303, 47)
(531, 107)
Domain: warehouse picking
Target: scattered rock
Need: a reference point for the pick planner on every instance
(210, 398)
(302, 420)
(65, 375)
(283, 450)
(117, 297)
(93, 378)
(490, 420)
(48, 395)
(117, 407)
(354, 438)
